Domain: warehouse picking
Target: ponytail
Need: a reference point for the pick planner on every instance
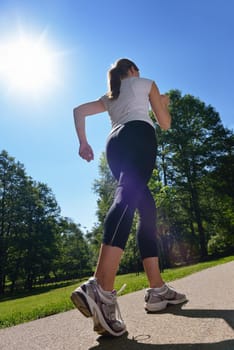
(114, 83)
(115, 74)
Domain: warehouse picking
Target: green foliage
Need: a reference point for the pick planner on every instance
(191, 157)
(35, 242)
(74, 253)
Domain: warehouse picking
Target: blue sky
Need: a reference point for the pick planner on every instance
(181, 44)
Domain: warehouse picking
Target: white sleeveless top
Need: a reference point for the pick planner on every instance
(132, 103)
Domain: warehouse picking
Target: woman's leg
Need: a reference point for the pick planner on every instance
(107, 266)
(146, 238)
(151, 267)
(117, 227)
(159, 295)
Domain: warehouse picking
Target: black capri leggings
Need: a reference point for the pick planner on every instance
(131, 154)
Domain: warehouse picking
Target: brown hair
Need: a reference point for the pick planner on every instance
(116, 73)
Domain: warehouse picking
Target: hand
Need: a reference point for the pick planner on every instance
(86, 152)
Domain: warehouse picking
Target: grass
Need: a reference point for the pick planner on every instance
(26, 308)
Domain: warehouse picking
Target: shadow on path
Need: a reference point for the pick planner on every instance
(137, 343)
(226, 315)
(143, 341)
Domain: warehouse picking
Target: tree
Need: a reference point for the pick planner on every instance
(40, 231)
(190, 151)
(12, 180)
(28, 225)
(74, 259)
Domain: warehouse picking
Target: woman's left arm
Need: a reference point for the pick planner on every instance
(80, 113)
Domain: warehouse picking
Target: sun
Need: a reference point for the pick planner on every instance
(28, 65)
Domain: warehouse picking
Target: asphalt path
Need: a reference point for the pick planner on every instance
(205, 322)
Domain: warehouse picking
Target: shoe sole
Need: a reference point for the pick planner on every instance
(80, 302)
(163, 305)
(87, 306)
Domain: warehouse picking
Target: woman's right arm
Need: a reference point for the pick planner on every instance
(80, 113)
(159, 104)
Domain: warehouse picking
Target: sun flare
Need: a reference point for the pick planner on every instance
(28, 65)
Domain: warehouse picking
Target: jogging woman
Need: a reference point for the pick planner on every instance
(131, 153)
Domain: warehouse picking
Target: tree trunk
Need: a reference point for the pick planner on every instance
(2, 283)
(197, 214)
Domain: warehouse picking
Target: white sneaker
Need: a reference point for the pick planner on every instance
(157, 301)
(92, 301)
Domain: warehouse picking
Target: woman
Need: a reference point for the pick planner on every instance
(131, 152)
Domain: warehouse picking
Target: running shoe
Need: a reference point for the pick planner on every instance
(92, 301)
(157, 301)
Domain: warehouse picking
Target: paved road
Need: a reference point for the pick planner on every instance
(205, 322)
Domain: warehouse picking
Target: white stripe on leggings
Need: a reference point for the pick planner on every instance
(125, 209)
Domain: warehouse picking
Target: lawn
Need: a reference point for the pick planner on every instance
(51, 301)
